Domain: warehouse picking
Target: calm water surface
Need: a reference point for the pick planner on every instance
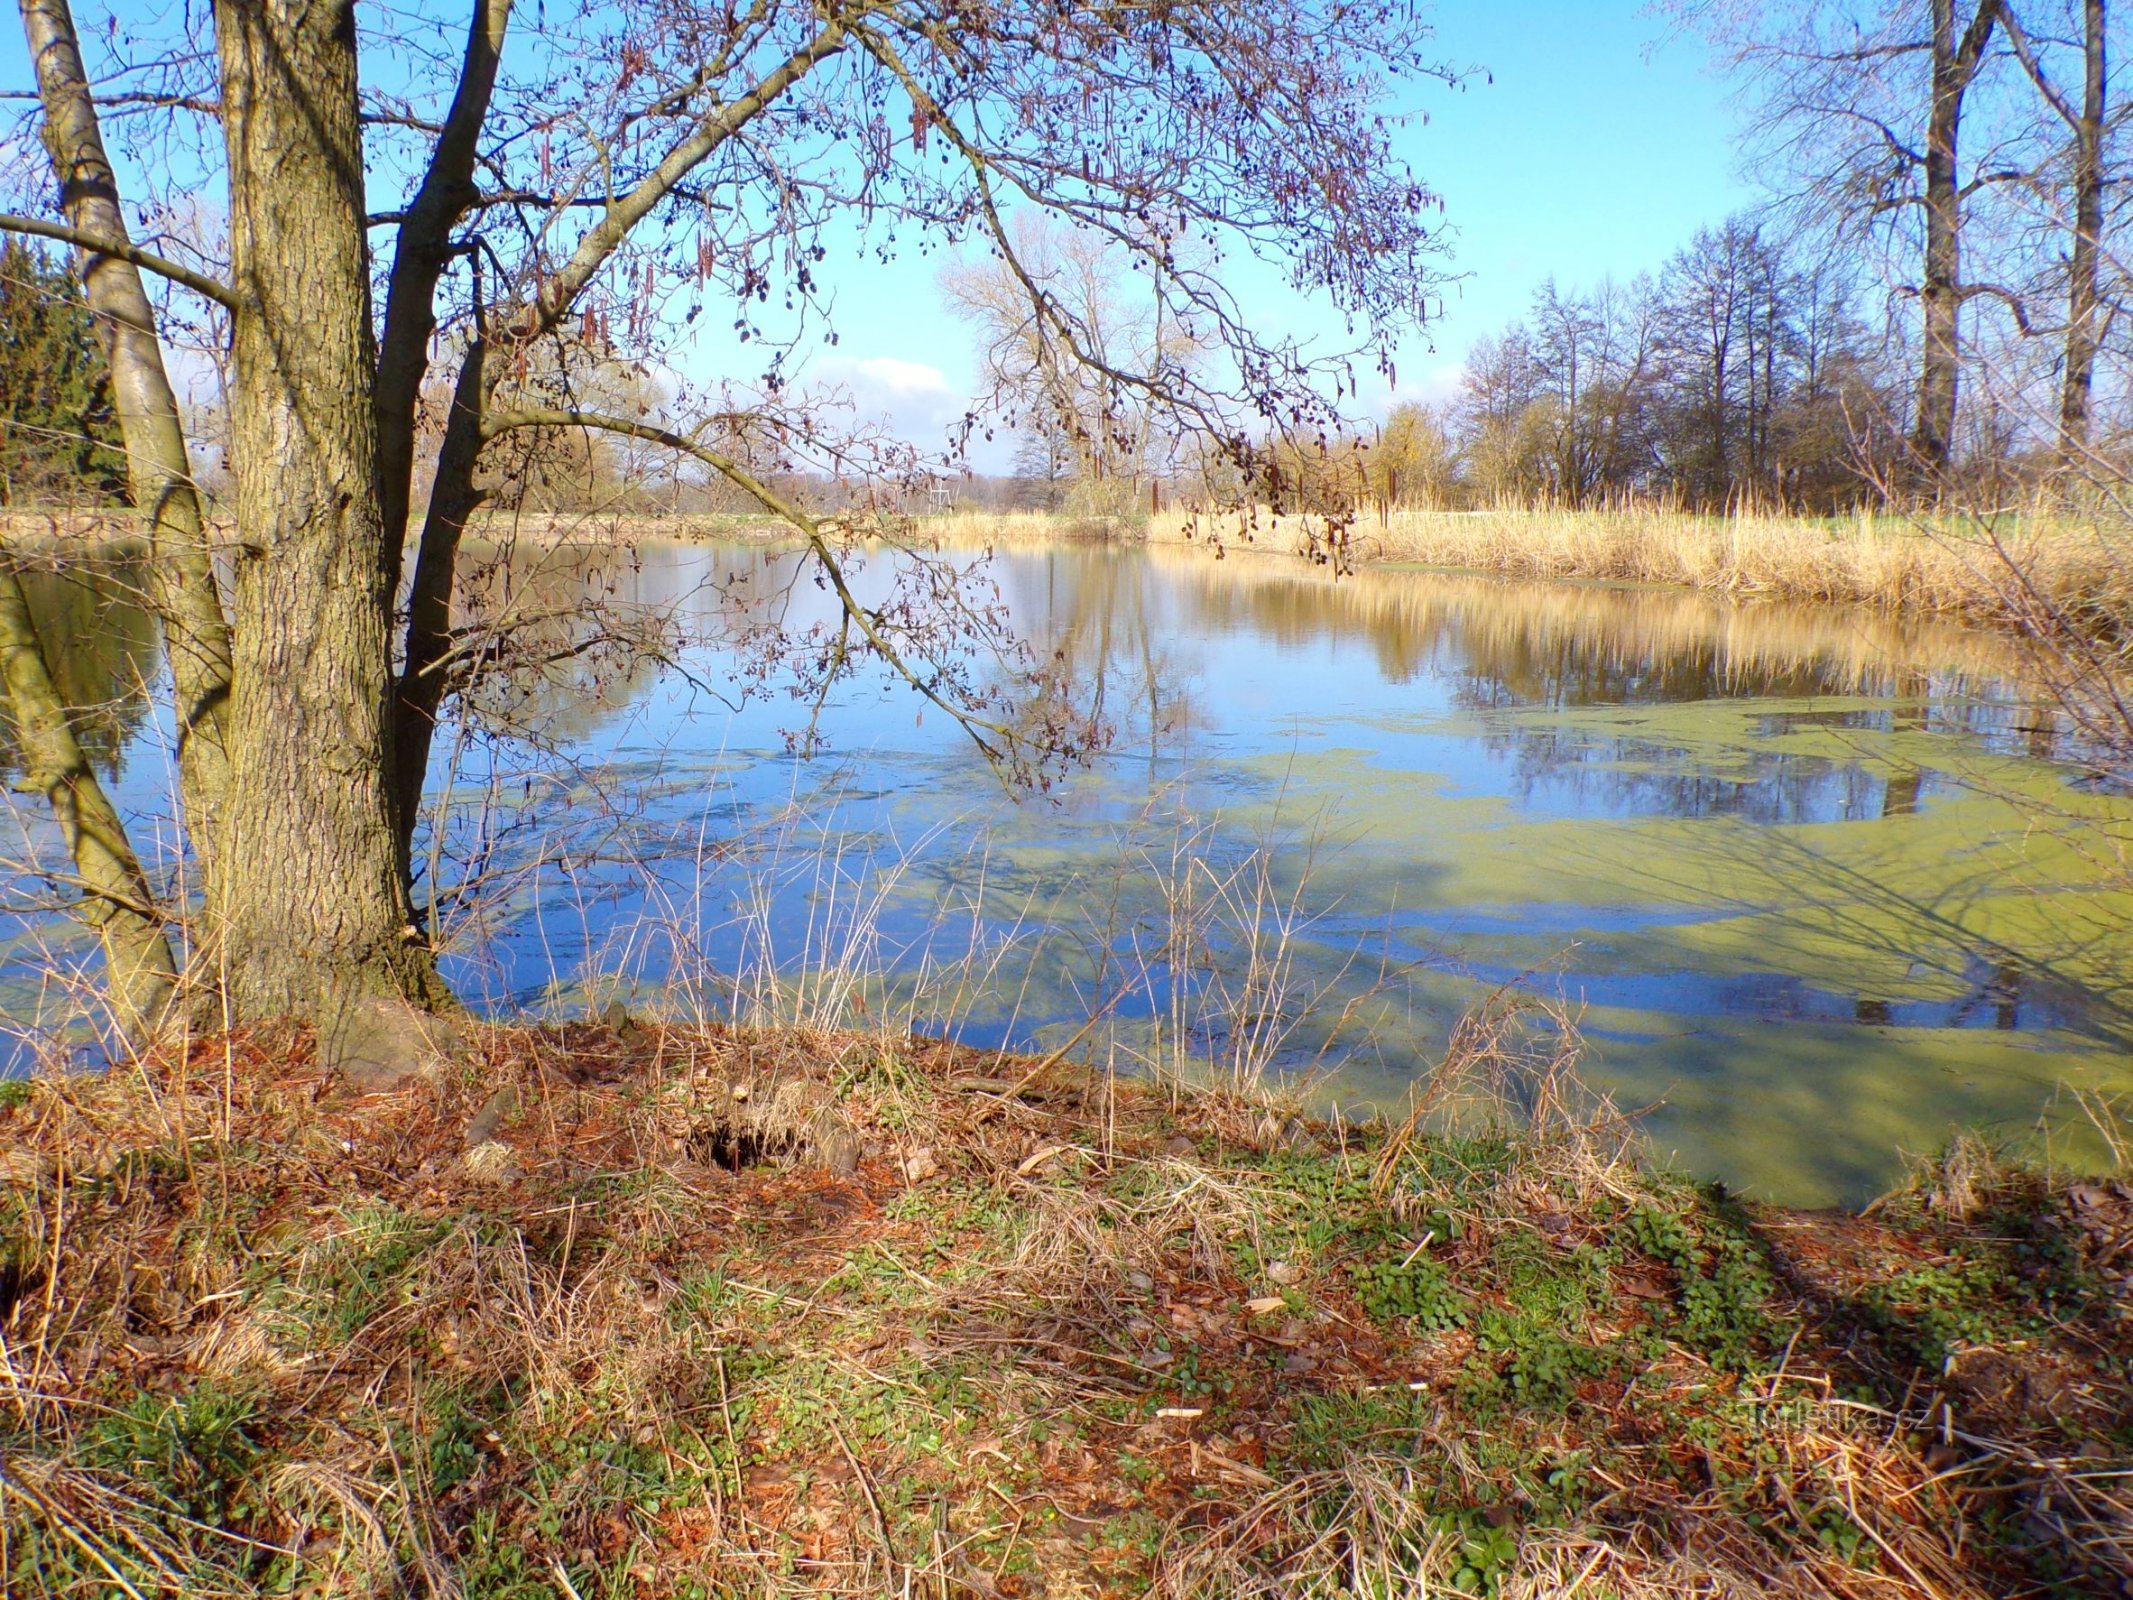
(1820, 887)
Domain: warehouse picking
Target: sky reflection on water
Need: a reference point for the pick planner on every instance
(1812, 877)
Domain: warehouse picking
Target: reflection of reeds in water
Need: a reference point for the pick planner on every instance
(1584, 642)
(970, 529)
(1889, 560)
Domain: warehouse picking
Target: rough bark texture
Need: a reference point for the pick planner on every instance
(453, 499)
(182, 578)
(1955, 59)
(140, 973)
(2083, 301)
(311, 904)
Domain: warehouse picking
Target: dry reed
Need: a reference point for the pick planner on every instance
(1953, 566)
(561, 1319)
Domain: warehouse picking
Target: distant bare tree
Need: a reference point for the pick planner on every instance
(1088, 393)
(1744, 370)
(1497, 393)
(1413, 460)
(1862, 104)
(1598, 357)
(2084, 114)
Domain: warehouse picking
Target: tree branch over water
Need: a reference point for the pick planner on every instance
(1002, 744)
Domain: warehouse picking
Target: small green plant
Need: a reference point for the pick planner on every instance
(1545, 1366)
(1484, 1553)
(1836, 1532)
(194, 1451)
(1724, 1289)
(1419, 1289)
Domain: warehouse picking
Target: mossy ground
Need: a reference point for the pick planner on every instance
(624, 1314)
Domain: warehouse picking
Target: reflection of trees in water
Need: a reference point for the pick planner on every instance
(1577, 771)
(101, 647)
(582, 640)
(1565, 644)
(1098, 616)
(1505, 646)
(557, 640)
(1589, 769)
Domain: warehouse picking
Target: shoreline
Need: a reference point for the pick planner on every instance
(2050, 581)
(1886, 562)
(659, 1311)
(1955, 570)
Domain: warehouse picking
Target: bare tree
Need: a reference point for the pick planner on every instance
(1730, 353)
(2086, 125)
(1742, 371)
(1071, 391)
(621, 159)
(1597, 356)
(1497, 393)
(1863, 104)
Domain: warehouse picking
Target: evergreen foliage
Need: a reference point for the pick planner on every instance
(59, 440)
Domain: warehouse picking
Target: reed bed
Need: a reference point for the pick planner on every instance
(963, 530)
(1997, 570)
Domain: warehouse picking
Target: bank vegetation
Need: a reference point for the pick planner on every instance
(627, 1310)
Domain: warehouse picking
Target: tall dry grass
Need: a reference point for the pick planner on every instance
(1981, 570)
(969, 529)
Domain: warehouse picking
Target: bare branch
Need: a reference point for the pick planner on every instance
(982, 731)
(119, 250)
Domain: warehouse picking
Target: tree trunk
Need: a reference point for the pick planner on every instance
(182, 589)
(140, 974)
(311, 904)
(1940, 289)
(453, 499)
(424, 248)
(2084, 302)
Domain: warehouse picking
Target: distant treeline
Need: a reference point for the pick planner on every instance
(1739, 374)
(1736, 373)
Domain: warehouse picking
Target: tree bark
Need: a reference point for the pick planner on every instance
(2083, 298)
(1954, 64)
(312, 908)
(419, 259)
(2086, 125)
(454, 498)
(140, 974)
(182, 588)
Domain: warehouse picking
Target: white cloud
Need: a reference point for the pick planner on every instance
(1435, 385)
(901, 377)
(913, 400)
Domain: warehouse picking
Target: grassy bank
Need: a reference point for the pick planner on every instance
(649, 1312)
(1940, 565)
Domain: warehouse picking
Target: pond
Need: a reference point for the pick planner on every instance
(1816, 887)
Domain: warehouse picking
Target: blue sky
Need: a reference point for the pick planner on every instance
(1590, 143)
(1599, 147)
(1585, 144)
